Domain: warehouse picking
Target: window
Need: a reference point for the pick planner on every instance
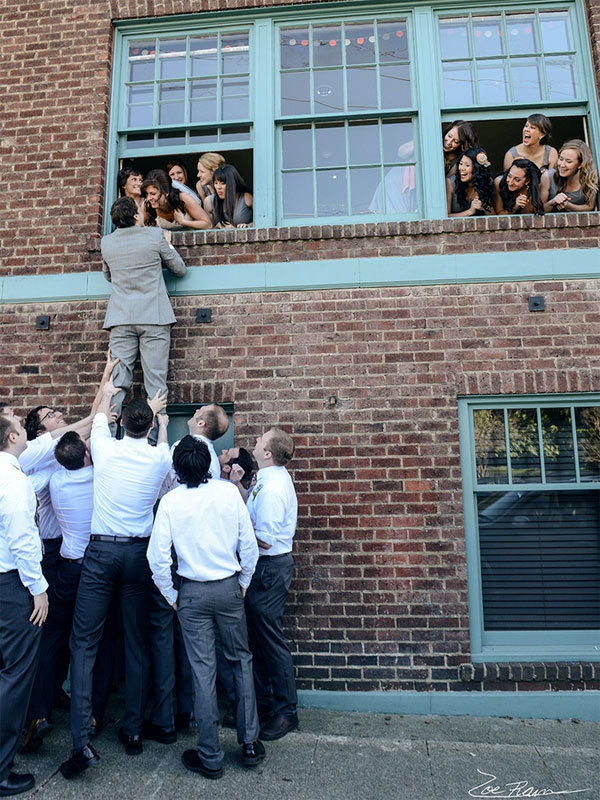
(339, 118)
(532, 514)
(180, 413)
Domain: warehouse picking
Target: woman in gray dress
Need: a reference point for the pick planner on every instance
(232, 201)
(574, 182)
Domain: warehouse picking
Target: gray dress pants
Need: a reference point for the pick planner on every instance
(201, 605)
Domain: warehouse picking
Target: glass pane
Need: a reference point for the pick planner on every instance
(398, 144)
(454, 38)
(487, 36)
(557, 436)
(295, 50)
(588, 442)
(524, 445)
(235, 98)
(234, 53)
(170, 114)
(331, 193)
(360, 43)
(522, 37)
(236, 135)
(490, 445)
(327, 45)
(330, 145)
(362, 88)
(201, 137)
(560, 75)
(527, 83)
(170, 138)
(393, 41)
(203, 52)
(329, 91)
(458, 84)
(298, 194)
(556, 31)
(493, 85)
(398, 195)
(540, 560)
(139, 117)
(203, 102)
(140, 94)
(363, 138)
(363, 184)
(172, 58)
(171, 91)
(135, 140)
(395, 86)
(141, 60)
(295, 93)
(297, 148)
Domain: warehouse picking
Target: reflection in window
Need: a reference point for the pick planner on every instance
(212, 66)
(540, 560)
(490, 445)
(520, 57)
(352, 167)
(351, 66)
(588, 442)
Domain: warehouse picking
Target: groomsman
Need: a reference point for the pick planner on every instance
(23, 600)
(273, 510)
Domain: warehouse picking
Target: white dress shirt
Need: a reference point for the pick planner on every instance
(273, 509)
(46, 518)
(38, 454)
(72, 494)
(172, 481)
(207, 525)
(20, 546)
(128, 474)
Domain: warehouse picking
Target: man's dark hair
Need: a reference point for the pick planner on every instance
(32, 422)
(6, 428)
(137, 418)
(191, 462)
(70, 451)
(216, 422)
(123, 211)
(247, 463)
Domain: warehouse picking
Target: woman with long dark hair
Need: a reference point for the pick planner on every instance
(169, 208)
(471, 191)
(573, 186)
(535, 147)
(457, 137)
(518, 189)
(232, 201)
(129, 183)
(177, 171)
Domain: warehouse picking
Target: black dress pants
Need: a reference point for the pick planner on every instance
(55, 640)
(19, 652)
(51, 560)
(274, 678)
(111, 569)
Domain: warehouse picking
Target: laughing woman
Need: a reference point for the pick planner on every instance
(170, 208)
(574, 183)
(518, 189)
(471, 192)
(535, 147)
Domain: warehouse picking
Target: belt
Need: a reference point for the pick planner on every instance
(217, 580)
(274, 558)
(101, 537)
(72, 560)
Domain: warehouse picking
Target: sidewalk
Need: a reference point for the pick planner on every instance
(345, 756)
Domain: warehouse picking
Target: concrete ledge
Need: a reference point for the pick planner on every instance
(523, 705)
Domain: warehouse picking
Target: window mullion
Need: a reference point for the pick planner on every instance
(541, 55)
(538, 414)
(575, 445)
(507, 445)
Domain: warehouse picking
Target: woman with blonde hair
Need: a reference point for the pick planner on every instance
(207, 164)
(574, 182)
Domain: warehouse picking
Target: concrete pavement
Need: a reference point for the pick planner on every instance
(345, 756)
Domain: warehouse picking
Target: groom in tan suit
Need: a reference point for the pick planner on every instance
(139, 314)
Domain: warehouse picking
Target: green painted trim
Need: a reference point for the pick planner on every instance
(522, 705)
(325, 274)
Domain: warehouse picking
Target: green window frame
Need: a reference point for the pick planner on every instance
(257, 135)
(531, 501)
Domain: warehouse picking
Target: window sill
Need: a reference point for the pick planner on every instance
(530, 671)
(361, 230)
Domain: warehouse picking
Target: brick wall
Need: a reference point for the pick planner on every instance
(367, 380)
